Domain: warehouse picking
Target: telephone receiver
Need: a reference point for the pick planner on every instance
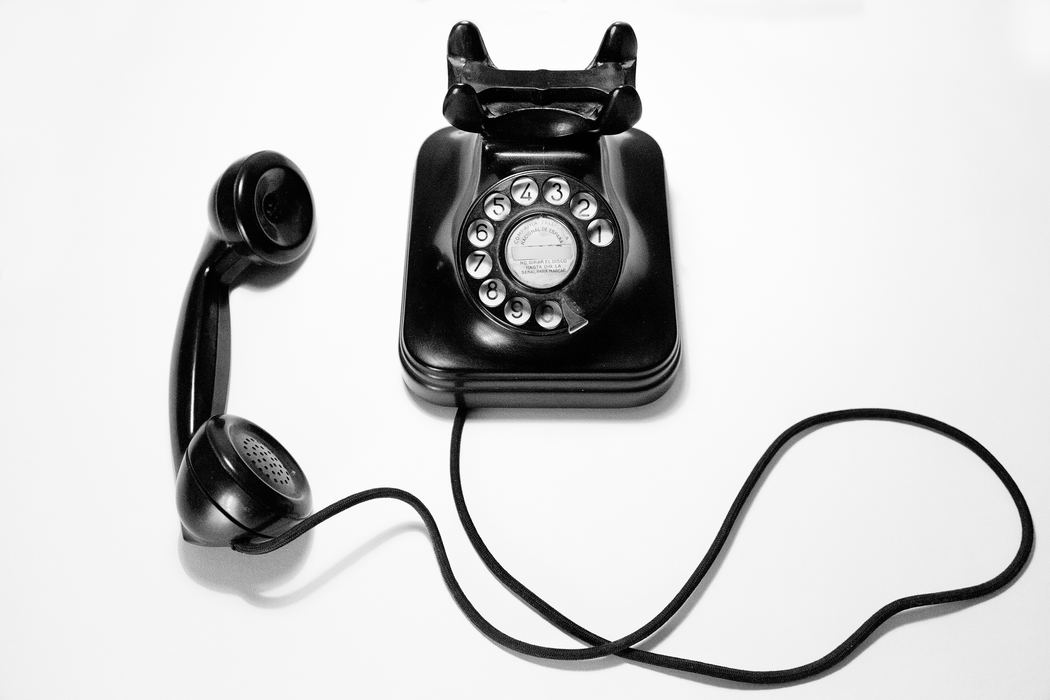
(233, 479)
(538, 274)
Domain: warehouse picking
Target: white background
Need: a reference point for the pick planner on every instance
(860, 200)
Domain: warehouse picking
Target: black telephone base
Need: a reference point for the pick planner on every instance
(605, 336)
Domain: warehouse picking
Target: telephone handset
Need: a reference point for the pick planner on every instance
(538, 270)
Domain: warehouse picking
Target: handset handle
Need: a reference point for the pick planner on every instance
(200, 365)
(262, 219)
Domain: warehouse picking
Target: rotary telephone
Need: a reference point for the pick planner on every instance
(539, 259)
(538, 274)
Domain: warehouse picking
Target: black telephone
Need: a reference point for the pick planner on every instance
(538, 270)
(538, 274)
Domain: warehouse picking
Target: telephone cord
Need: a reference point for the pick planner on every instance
(624, 646)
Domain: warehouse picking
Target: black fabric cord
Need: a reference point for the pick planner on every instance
(623, 647)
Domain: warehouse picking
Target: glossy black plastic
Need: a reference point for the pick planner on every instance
(453, 354)
(234, 480)
(262, 216)
(529, 105)
(225, 494)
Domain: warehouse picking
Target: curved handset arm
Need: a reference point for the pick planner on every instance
(262, 216)
(200, 364)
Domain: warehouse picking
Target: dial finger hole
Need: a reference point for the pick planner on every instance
(600, 233)
(584, 206)
(497, 206)
(517, 311)
(556, 191)
(478, 264)
(480, 233)
(549, 315)
(524, 191)
(492, 293)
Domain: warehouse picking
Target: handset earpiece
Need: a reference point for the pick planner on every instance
(262, 207)
(234, 480)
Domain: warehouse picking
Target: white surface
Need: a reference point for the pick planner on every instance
(860, 205)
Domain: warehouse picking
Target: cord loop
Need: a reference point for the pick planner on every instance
(624, 646)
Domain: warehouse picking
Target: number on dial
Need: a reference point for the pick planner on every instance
(600, 232)
(479, 264)
(524, 191)
(492, 293)
(556, 191)
(497, 206)
(518, 310)
(584, 206)
(549, 315)
(480, 233)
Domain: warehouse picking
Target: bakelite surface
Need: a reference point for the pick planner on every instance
(453, 354)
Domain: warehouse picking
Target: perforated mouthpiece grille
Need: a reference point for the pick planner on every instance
(265, 463)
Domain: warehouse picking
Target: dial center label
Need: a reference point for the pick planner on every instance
(541, 252)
